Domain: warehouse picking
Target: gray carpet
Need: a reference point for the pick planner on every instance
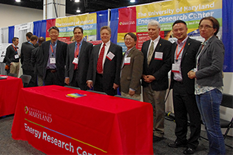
(8, 146)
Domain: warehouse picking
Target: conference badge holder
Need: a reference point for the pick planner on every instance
(127, 61)
(175, 68)
(110, 55)
(158, 56)
(16, 56)
(75, 61)
(52, 60)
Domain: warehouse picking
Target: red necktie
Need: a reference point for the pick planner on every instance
(100, 60)
(76, 54)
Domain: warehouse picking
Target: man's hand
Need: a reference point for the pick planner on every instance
(148, 78)
(192, 74)
(131, 92)
(115, 86)
(67, 80)
(89, 84)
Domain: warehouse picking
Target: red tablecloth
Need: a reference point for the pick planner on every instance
(9, 90)
(94, 124)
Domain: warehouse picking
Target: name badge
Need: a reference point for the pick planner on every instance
(110, 56)
(75, 61)
(175, 68)
(127, 61)
(158, 56)
(52, 60)
(16, 56)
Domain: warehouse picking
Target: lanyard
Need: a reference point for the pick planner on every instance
(51, 47)
(15, 48)
(178, 54)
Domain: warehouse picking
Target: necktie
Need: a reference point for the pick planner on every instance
(76, 54)
(151, 51)
(100, 60)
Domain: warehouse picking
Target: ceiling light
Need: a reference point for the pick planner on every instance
(76, 1)
(18, 0)
(132, 1)
(78, 10)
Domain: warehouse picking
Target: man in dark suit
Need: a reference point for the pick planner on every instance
(157, 63)
(12, 57)
(77, 60)
(54, 55)
(131, 69)
(105, 65)
(183, 60)
(26, 52)
(37, 62)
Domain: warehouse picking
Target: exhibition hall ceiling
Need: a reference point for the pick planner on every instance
(84, 5)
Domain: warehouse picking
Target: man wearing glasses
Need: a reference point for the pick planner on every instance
(131, 69)
(54, 57)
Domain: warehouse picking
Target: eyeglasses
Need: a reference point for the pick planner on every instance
(205, 27)
(129, 39)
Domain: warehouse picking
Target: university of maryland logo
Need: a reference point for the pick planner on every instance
(26, 110)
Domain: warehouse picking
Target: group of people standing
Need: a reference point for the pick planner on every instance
(196, 74)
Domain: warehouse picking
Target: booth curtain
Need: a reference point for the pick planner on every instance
(227, 34)
(114, 24)
(39, 28)
(102, 20)
(11, 33)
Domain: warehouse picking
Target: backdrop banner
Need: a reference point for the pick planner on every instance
(66, 26)
(166, 13)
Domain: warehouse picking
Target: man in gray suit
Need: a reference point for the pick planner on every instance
(131, 69)
(77, 60)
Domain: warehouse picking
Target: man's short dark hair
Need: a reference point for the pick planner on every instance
(41, 40)
(179, 21)
(14, 39)
(53, 27)
(131, 35)
(29, 34)
(78, 27)
(33, 37)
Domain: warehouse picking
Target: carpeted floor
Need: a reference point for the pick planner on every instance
(8, 146)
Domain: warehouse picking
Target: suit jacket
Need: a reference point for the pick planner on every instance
(210, 63)
(111, 69)
(60, 58)
(132, 73)
(158, 68)
(188, 62)
(10, 55)
(37, 61)
(26, 52)
(83, 63)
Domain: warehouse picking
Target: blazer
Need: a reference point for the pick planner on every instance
(26, 53)
(10, 55)
(158, 68)
(83, 63)
(111, 69)
(188, 62)
(210, 63)
(132, 73)
(37, 61)
(60, 58)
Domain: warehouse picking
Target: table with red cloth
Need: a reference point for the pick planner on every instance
(9, 90)
(91, 124)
